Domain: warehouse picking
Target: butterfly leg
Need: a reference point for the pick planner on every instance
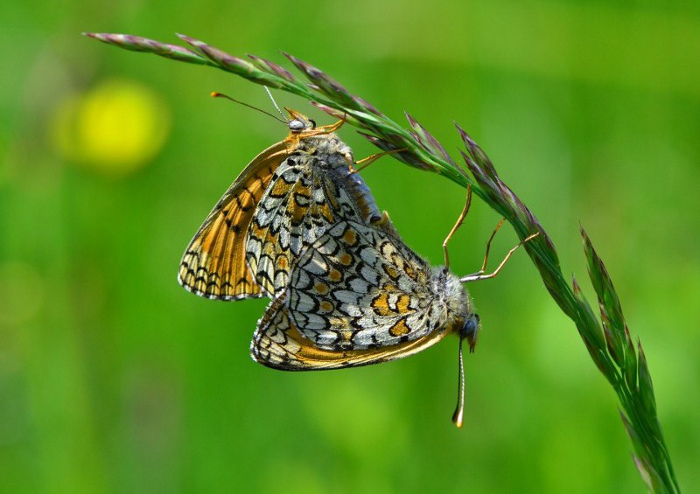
(488, 245)
(457, 225)
(351, 164)
(326, 129)
(365, 162)
(479, 275)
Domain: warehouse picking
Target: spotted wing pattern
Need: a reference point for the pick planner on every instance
(357, 296)
(279, 344)
(307, 195)
(213, 265)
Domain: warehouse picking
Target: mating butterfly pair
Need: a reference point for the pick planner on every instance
(300, 226)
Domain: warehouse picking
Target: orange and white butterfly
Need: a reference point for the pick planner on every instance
(283, 201)
(358, 296)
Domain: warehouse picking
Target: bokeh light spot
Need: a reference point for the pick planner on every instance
(115, 128)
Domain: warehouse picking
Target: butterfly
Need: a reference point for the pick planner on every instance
(283, 201)
(358, 296)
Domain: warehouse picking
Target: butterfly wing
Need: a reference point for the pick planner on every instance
(279, 344)
(305, 198)
(213, 265)
(358, 296)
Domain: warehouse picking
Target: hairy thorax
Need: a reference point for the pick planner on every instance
(452, 295)
(325, 147)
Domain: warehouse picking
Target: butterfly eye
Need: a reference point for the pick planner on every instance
(313, 123)
(470, 327)
(296, 125)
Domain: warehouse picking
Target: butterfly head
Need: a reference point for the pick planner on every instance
(299, 123)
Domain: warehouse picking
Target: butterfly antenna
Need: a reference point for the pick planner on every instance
(221, 95)
(458, 416)
(274, 102)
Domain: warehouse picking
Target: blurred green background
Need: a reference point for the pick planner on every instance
(115, 379)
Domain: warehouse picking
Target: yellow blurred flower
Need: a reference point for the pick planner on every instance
(115, 128)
